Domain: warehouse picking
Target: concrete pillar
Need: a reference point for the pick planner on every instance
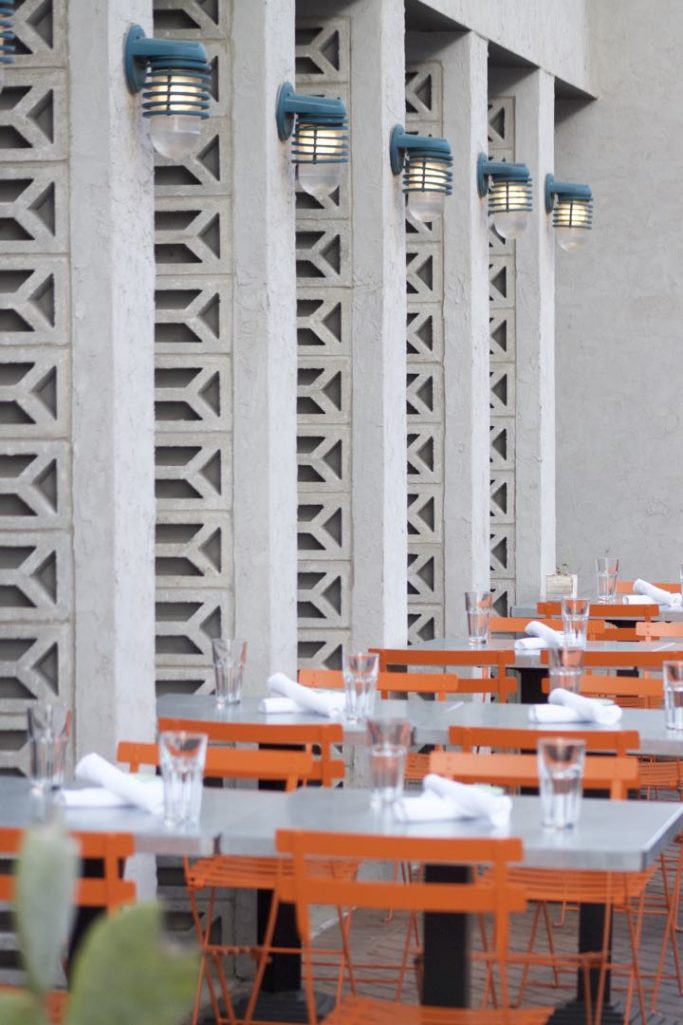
(466, 326)
(379, 610)
(112, 344)
(535, 337)
(264, 342)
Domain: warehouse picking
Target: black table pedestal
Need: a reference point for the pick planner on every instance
(446, 967)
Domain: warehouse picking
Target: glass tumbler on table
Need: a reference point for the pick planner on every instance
(607, 572)
(182, 757)
(560, 775)
(388, 740)
(478, 605)
(229, 657)
(575, 621)
(565, 666)
(360, 670)
(49, 727)
(673, 694)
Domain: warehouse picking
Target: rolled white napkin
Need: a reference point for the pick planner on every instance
(93, 797)
(638, 599)
(540, 636)
(658, 594)
(331, 704)
(444, 799)
(565, 706)
(149, 796)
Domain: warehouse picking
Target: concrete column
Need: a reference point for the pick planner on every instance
(113, 383)
(379, 611)
(535, 337)
(466, 328)
(264, 342)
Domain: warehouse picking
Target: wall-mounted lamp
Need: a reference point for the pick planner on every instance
(427, 176)
(320, 146)
(6, 37)
(510, 194)
(175, 77)
(572, 208)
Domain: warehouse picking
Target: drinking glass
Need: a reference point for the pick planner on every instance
(182, 756)
(607, 571)
(360, 683)
(478, 605)
(565, 666)
(229, 656)
(560, 772)
(673, 695)
(49, 727)
(388, 740)
(575, 621)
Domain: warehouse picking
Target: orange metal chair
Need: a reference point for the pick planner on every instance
(442, 685)
(469, 738)
(211, 875)
(491, 894)
(650, 631)
(626, 587)
(110, 891)
(517, 625)
(491, 658)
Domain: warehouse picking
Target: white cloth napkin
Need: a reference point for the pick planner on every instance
(638, 599)
(444, 799)
(540, 636)
(565, 706)
(93, 797)
(293, 697)
(148, 796)
(658, 595)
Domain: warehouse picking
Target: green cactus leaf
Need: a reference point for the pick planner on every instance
(125, 973)
(20, 1009)
(46, 881)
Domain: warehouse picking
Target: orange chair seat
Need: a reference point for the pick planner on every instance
(368, 1011)
(582, 887)
(256, 873)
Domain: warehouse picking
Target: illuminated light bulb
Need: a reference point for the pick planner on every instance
(572, 219)
(320, 153)
(509, 204)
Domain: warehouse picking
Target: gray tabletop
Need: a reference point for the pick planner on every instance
(617, 835)
(202, 708)
(431, 721)
(664, 616)
(532, 659)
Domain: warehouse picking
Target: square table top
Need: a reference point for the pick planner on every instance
(634, 652)
(663, 616)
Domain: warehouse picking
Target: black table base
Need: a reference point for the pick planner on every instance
(574, 1013)
(285, 1005)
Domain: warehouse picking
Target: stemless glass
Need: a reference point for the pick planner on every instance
(388, 739)
(229, 657)
(560, 772)
(673, 694)
(565, 666)
(607, 571)
(360, 683)
(49, 727)
(575, 621)
(182, 756)
(478, 605)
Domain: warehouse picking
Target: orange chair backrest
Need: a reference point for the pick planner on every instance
(110, 891)
(518, 625)
(654, 631)
(627, 691)
(626, 587)
(607, 610)
(319, 739)
(288, 767)
(618, 774)
(443, 685)
(398, 658)
(467, 738)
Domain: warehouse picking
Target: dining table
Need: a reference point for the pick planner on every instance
(610, 835)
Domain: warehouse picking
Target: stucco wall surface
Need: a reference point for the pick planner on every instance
(620, 305)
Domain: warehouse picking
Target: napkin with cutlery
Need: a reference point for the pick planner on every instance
(114, 788)
(540, 636)
(287, 696)
(565, 706)
(442, 800)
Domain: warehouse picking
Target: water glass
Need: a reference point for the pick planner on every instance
(607, 571)
(49, 727)
(388, 731)
(560, 773)
(360, 684)
(387, 770)
(575, 621)
(478, 605)
(229, 657)
(673, 695)
(182, 756)
(565, 666)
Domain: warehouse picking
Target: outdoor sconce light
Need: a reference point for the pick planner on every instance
(175, 77)
(6, 37)
(572, 209)
(321, 138)
(427, 176)
(510, 197)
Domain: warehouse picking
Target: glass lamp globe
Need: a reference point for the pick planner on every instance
(572, 219)
(509, 200)
(175, 127)
(316, 148)
(175, 135)
(571, 239)
(425, 183)
(426, 206)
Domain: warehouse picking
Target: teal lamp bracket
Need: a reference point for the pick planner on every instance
(567, 190)
(6, 33)
(499, 169)
(314, 110)
(401, 143)
(144, 56)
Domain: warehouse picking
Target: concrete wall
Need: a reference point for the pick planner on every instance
(620, 304)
